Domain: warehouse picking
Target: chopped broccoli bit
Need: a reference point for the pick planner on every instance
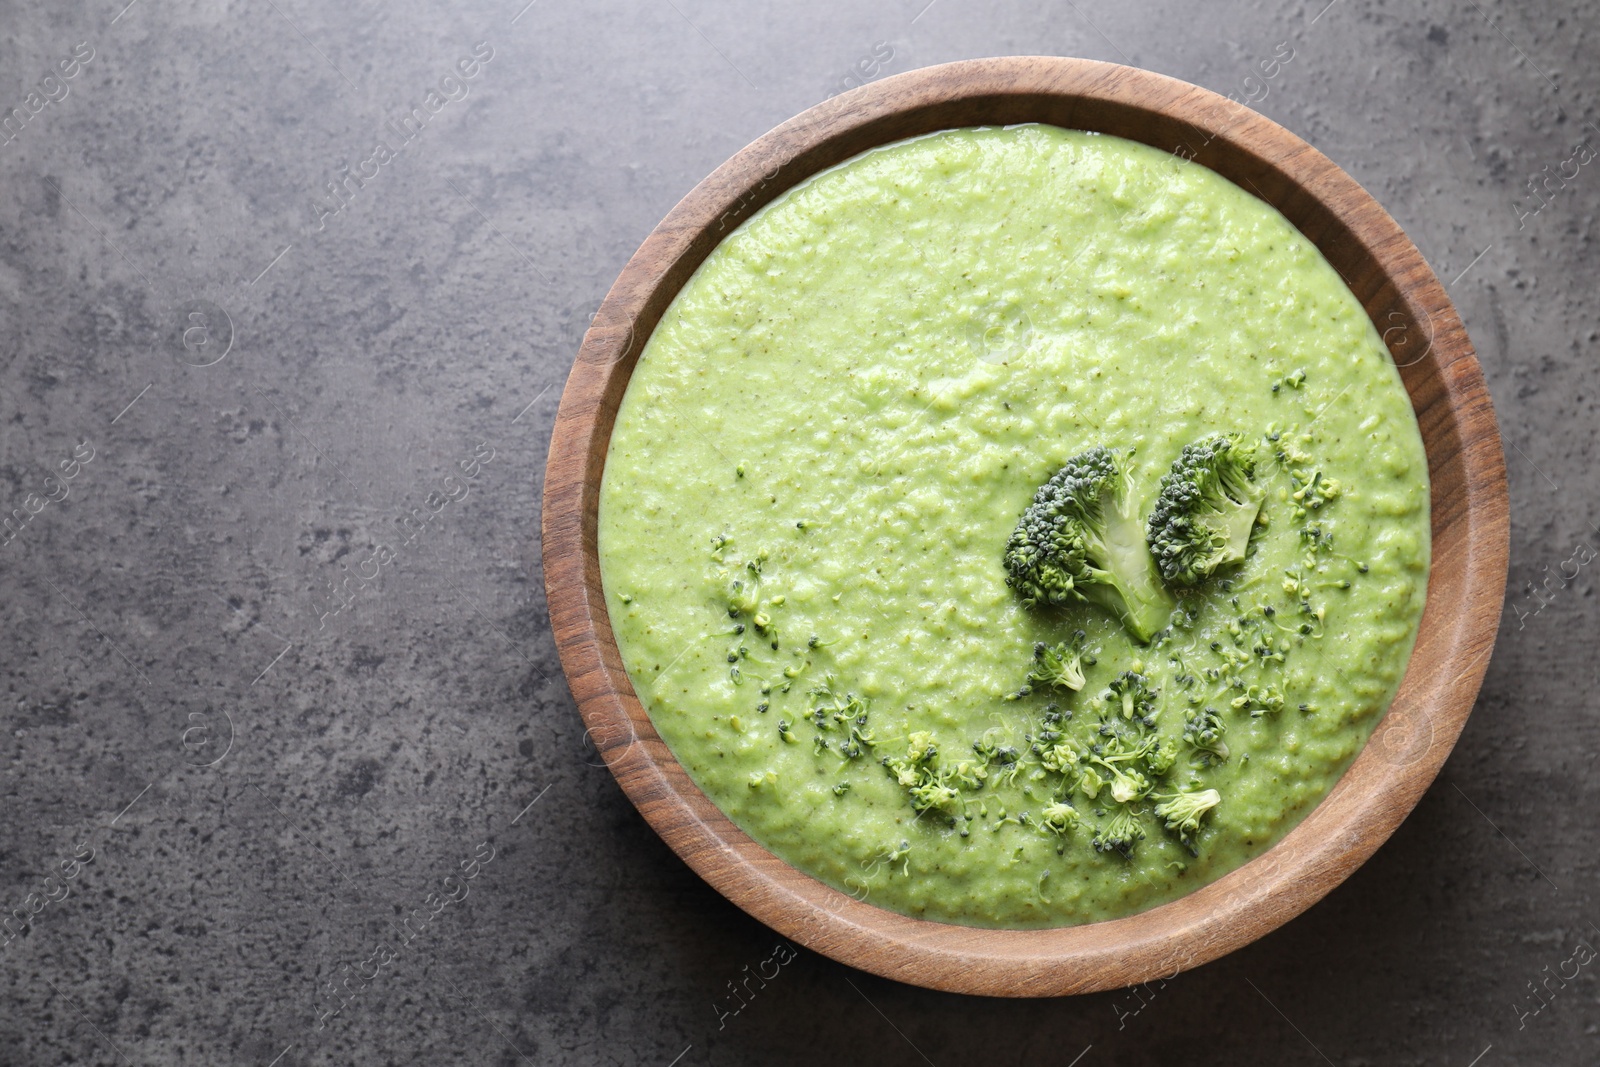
(1162, 755)
(1060, 666)
(1130, 693)
(832, 710)
(1260, 700)
(1120, 833)
(1183, 810)
(1127, 784)
(1059, 817)
(930, 786)
(1203, 731)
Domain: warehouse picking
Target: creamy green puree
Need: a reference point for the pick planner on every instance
(834, 428)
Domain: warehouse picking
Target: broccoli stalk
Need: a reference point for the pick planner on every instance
(1081, 541)
(1206, 511)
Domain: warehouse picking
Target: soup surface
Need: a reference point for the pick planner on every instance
(832, 432)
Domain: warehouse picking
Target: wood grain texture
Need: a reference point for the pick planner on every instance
(1470, 528)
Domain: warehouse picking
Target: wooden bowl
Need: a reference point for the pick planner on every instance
(1470, 528)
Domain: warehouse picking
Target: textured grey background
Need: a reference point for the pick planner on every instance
(269, 789)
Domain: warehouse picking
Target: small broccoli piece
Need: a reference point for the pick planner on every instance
(935, 794)
(1062, 757)
(929, 786)
(847, 711)
(1080, 541)
(1061, 666)
(1090, 783)
(1261, 700)
(1313, 492)
(1206, 511)
(1131, 693)
(1117, 756)
(969, 774)
(993, 752)
(743, 599)
(1203, 731)
(1059, 817)
(1183, 811)
(1127, 784)
(1161, 757)
(910, 769)
(1120, 833)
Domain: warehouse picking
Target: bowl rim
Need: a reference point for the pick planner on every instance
(1470, 529)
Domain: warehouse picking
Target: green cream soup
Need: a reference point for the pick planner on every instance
(833, 430)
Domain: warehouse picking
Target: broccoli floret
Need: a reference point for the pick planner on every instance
(936, 795)
(910, 769)
(1061, 666)
(847, 711)
(1131, 693)
(1261, 700)
(1081, 541)
(994, 752)
(1161, 757)
(1120, 833)
(968, 774)
(1062, 756)
(1312, 491)
(1059, 817)
(1183, 811)
(929, 786)
(1127, 784)
(1207, 508)
(1117, 758)
(1203, 730)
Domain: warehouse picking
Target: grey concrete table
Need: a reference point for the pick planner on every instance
(274, 794)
